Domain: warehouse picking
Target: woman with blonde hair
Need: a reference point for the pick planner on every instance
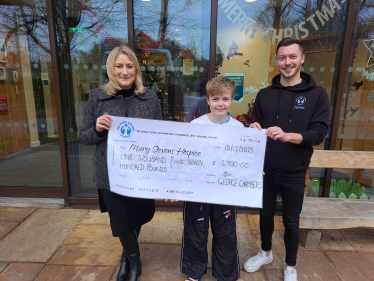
(124, 95)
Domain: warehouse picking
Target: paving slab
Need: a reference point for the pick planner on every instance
(38, 237)
(95, 217)
(361, 239)
(64, 273)
(161, 262)
(254, 222)
(6, 226)
(15, 214)
(353, 266)
(255, 276)
(165, 227)
(21, 271)
(244, 276)
(273, 273)
(3, 265)
(89, 245)
(310, 263)
(314, 265)
(246, 248)
(332, 240)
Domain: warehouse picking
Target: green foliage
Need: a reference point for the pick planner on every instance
(315, 185)
(345, 187)
(152, 77)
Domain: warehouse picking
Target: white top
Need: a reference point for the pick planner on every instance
(205, 120)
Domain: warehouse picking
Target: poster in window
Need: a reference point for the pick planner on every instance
(238, 78)
(187, 64)
(3, 51)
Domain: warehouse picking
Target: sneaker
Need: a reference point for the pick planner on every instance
(290, 274)
(254, 263)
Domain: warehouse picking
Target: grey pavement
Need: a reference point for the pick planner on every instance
(41, 240)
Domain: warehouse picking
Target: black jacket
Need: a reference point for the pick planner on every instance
(303, 109)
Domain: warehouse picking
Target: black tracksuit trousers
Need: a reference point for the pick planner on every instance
(225, 258)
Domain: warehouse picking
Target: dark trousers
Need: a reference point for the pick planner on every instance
(225, 258)
(292, 192)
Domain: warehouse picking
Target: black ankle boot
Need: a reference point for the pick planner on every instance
(135, 266)
(124, 268)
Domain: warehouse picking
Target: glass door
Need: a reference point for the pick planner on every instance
(29, 148)
(86, 33)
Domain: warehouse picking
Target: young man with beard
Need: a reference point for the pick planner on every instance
(295, 113)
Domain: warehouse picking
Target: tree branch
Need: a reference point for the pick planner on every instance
(285, 6)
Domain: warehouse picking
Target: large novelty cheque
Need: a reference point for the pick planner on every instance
(190, 162)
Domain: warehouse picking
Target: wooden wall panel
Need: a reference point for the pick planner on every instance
(14, 138)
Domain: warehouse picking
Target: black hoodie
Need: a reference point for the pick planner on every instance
(303, 109)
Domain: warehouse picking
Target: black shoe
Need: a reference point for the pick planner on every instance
(124, 268)
(190, 279)
(135, 266)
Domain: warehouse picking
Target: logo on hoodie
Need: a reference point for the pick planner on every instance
(300, 101)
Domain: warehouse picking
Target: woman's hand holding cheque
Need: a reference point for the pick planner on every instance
(103, 123)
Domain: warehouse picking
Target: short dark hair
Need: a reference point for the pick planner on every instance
(287, 41)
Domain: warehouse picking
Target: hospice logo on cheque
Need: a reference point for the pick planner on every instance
(126, 129)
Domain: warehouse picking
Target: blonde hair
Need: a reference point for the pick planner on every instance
(112, 86)
(218, 85)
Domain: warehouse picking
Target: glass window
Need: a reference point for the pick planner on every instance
(172, 40)
(29, 149)
(247, 35)
(86, 33)
(356, 124)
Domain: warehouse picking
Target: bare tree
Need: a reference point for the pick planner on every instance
(168, 18)
(91, 15)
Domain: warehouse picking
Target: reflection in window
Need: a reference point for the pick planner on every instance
(247, 36)
(356, 129)
(172, 44)
(86, 32)
(248, 33)
(29, 150)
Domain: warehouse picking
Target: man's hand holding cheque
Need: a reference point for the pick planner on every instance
(276, 133)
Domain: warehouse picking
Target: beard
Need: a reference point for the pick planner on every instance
(295, 71)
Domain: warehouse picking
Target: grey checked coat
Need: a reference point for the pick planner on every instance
(144, 105)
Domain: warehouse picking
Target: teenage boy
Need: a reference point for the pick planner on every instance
(295, 112)
(225, 259)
